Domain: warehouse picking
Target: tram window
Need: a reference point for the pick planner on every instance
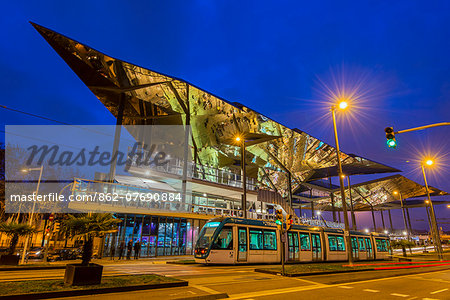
(225, 239)
(381, 245)
(305, 242)
(362, 246)
(354, 244)
(270, 240)
(256, 239)
(332, 242)
(368, 244)
(340, 243)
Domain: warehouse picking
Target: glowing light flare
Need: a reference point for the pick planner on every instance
(429, 162)
(343, 104)
(238, 139)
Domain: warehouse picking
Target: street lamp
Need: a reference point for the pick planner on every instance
(30, 221)
(433, 224)
(241, 141)
(403, 211)
(342, 105)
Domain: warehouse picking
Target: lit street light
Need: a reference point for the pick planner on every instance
(30, 221)
(342, 105)
(433, 225)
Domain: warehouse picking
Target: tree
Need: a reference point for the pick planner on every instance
(402, 244)
(14, 231)
(88, 226)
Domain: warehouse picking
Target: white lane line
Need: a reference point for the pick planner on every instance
(438, 291)
(399, 295)
(371, 291)
(345, 287)
(204, 288)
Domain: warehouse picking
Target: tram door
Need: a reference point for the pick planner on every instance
(242, 244)
(293, 249)
(355, 248)
(316, 247)
(369, 249)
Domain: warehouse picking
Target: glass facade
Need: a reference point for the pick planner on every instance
(157, 235)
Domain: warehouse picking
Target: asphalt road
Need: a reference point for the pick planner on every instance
(241, 282)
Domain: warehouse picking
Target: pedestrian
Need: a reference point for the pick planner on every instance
(129, 249)
(112, 251)
(137, 250)
(121, 249)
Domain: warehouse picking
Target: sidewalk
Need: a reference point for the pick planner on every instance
(146, 260)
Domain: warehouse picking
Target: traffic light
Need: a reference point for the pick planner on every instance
(289, 222)
(279, 218)
(76, 185)
(390, 136)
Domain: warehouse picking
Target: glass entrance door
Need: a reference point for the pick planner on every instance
(242, 244)
(316, 247)
(293, 248)
(355, 248)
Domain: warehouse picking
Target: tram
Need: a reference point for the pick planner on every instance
(229, 240)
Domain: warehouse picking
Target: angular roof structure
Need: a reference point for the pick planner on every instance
(153, 98)
(379, 192)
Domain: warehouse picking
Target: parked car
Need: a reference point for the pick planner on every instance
(35, 253)
(63, 254)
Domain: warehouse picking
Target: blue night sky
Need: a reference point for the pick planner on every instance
(270, 56)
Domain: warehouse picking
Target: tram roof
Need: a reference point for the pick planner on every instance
(155, 98)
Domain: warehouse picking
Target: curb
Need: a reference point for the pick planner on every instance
(206, 297)
(71, 293)
(32, 268)
(181, 263)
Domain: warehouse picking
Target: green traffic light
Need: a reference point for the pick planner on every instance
(391, 143)
(278, 222)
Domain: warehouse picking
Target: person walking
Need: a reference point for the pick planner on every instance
(121, 249)
(129, 249)
(112, 251)
(137, 250)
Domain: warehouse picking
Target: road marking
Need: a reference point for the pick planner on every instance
(345, 287)
(371, 291)
(429, 299)
(308, 281)
(412, 298)
(276, 291)
(204, 288)
(438, 291)
(399, 295)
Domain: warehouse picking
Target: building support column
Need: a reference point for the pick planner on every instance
(332, 200)
(333, 209)
(118, 130)
(351, 204)
(390, 220)
(244, 179)
(290, 188)
(382, 219)
(409, 220)
(373, 219)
